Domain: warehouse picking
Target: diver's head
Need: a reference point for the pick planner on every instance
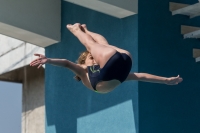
(85, 58)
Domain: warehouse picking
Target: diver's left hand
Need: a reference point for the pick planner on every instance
(174, 80)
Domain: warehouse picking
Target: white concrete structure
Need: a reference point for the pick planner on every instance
(15, 56)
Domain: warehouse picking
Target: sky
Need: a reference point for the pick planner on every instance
(10, 107)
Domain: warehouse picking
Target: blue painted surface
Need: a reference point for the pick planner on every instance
(67, 101)
(122, 121)
(163, 51)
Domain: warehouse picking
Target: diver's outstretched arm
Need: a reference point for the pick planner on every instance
(154, 79)
(77, 69)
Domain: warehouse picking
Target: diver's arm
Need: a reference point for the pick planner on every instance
(57, 62)
(77, 69)
(154, 79)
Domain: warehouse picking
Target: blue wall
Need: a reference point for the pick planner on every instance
(163, 51)
(71, 107)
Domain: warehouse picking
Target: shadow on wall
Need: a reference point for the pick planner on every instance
(71, 107)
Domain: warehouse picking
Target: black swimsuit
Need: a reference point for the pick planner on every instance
(117, 67)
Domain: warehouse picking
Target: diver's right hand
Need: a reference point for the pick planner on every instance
(39, 61)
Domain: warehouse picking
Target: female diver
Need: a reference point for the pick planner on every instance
(102, 67)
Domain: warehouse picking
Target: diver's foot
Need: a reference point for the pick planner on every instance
(84, 27)
(74, 28)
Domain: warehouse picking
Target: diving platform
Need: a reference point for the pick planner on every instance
(185, 9)
(190, 32)
(196, 54)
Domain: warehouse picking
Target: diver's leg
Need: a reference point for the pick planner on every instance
(101, 53)
(97, 37)
(102, 40)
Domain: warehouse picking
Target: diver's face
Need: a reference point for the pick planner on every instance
(89, 60)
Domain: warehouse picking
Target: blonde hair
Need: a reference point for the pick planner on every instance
(81, 60)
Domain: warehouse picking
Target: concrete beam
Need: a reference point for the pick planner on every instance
(197, 59)
(175, 6)
(33, 21)
(26, 35)
(195, 34)
(190, 32)
(116, 8)
(196, 53)
(189, 10)
(187, 29)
